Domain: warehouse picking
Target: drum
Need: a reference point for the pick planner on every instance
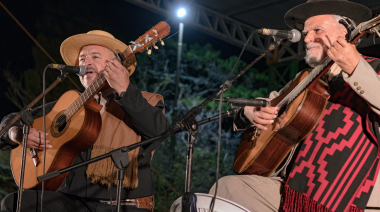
(203, 204)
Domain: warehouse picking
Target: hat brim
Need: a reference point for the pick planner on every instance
(71, 47)
(296, 17)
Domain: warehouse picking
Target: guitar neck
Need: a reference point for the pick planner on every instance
(315, 74)
(86, 95)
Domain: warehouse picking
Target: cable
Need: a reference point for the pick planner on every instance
(171, 35)
(212, 204)
(43, 111)
(111, 187)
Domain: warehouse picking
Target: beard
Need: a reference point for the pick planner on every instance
(314, 59)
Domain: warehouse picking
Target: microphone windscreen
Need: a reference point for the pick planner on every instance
(296, 36)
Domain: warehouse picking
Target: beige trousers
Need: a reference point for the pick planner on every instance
(263, 194)
(256, 193)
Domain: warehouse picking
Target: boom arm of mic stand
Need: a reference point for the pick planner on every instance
(270, 48)
(30, 105)
(228, 113)
(189, 116)
(172, 131)
(193, 112)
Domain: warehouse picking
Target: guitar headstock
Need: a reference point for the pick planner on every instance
(151, 37)
(371, 26)
(146, 42)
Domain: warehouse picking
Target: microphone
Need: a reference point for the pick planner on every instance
(244, 102)
(79, 70)
(292, 35)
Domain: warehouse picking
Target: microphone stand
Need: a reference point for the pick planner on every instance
(121, 160)
(188, 120)
(30, 105)
(27, 119)
(189, 198)
(185, 123)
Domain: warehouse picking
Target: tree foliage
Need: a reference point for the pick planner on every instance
(202, 72)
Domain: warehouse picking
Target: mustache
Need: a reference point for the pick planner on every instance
(92, 69)
(312, 45)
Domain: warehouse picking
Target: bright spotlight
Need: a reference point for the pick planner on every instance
(181, 12)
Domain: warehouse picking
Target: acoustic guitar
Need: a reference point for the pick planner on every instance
(74, 123)
(261, 152)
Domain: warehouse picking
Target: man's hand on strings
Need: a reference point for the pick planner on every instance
(345, 55)
(261, 116)
(36, 139)
(117, 75)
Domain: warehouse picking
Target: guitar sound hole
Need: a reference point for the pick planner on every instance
(59, 125)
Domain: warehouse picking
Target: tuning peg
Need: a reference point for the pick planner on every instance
(149, 51)
(162, 42)
(154, 46)
(147, 38)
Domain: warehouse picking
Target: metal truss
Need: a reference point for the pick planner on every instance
(230, 30)
(224, 27)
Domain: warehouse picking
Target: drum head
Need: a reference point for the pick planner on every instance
(203, 204)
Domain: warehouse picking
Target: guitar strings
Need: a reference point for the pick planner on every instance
(69, 112)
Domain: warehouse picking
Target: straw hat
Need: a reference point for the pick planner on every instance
(296, 17)
(71, 47)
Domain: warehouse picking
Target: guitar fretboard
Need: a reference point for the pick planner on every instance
(79, 102)
(288, 99)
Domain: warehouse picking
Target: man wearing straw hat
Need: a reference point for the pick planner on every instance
(128, 116)
(335, 168)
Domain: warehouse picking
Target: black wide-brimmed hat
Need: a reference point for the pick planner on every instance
(296, 17)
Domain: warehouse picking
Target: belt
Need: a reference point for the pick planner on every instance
(143, 202)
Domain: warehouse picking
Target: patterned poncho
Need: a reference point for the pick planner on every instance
(337, 165)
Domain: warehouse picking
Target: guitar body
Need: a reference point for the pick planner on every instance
(261, 152)
(78, 134)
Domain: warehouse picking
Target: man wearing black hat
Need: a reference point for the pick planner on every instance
(335, 167)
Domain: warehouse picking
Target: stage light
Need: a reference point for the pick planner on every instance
(181, 12)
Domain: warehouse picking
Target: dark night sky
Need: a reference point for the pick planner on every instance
(122, 19)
